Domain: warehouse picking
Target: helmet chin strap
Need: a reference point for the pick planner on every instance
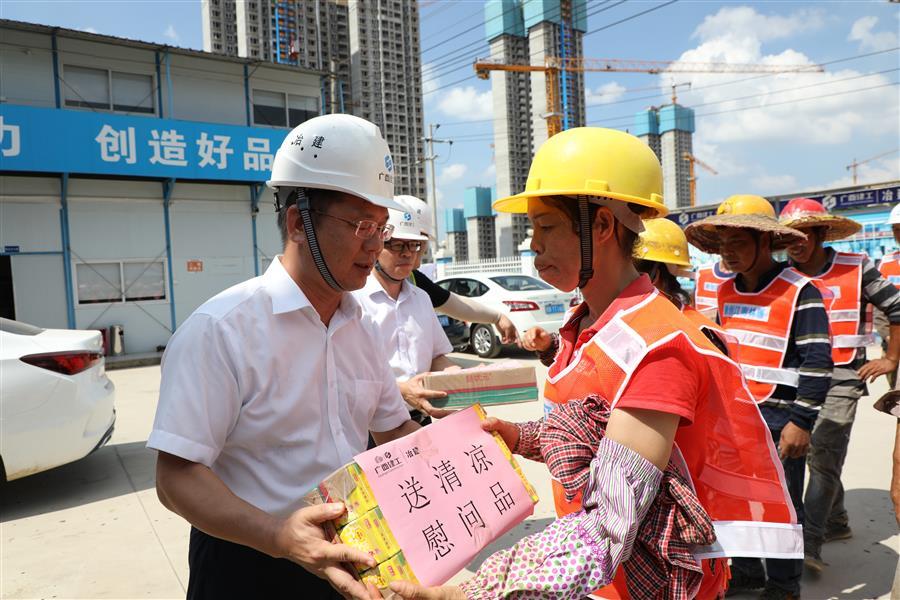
(381, 270)
(587, 242)
(302, 201)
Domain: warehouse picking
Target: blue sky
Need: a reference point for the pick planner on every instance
(781, 134)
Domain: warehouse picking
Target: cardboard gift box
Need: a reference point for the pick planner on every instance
(426, 504)
(503, 382)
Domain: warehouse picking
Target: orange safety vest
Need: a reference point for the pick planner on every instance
(728, 451)
(844, 282)
(708, 279)
(761, 322)
(890, 267)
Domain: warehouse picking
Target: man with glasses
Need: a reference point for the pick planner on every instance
(273, 384)
(415, 341)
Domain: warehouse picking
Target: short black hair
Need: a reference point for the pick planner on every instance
(566, 204)
(285, 197)
(669, 283)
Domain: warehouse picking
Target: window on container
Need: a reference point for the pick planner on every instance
(144, 281)
(301, 108)
(132, 93)
(86, 88)
(269, 109)
(99, 282)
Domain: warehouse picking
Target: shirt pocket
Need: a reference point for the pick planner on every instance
(359, 398)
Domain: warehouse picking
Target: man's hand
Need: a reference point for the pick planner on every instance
(301, 539)
(508, 332)
(873, 369)
(412, 591)
(794, 442)
(418, 396)
(508, 431)
(536, 339)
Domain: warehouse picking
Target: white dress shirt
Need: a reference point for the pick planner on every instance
(257, 388)
(410, 330)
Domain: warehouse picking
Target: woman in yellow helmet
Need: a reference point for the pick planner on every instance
(632, 376)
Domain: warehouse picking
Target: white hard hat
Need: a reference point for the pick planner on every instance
(420, 211)
(894, 219)
(406, 225)
(337, 152)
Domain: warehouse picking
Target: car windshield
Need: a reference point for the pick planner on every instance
(18, 328)
(520, 283)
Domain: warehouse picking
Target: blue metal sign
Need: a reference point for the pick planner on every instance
(53, 140)
(832, 201)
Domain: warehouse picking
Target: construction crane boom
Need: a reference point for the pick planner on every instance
(852, 166)
(692, 178)
(553, 66)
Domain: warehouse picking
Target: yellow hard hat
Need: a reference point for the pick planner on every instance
(663, 241)
(746, 204)
(593, 161)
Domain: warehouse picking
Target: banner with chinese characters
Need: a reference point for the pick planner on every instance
(34, 139)
(446, 492)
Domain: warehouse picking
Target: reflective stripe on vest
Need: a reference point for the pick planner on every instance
(761, 322)
(890, 267)
(707, 282)
(844, 279)
(729, 451)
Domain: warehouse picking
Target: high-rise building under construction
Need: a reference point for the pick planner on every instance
(529, 32)
(669, 130)
(369, 50)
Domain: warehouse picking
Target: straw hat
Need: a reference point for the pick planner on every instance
(742, 211)
(805, 212)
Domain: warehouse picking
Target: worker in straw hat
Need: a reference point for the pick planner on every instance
(632, 377)
(857, 286)
(778, 317)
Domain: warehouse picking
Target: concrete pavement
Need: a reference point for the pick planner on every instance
(95, 529)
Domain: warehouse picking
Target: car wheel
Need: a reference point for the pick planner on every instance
(484, 342)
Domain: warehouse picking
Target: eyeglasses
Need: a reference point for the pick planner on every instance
(398, 246)
(365, 229)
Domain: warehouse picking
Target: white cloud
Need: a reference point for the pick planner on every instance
(430, 81)
(604, 94)
(736, 35)
(489, 175)
(745, 22)
(769, 184)
(871, 41)
(884, 169)
(721, 161)
(170, 33)
(466, 103)
(451, 173)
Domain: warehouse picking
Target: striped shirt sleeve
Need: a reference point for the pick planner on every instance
(810, 334)
(880, 292)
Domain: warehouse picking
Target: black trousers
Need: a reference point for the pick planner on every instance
(222, 570)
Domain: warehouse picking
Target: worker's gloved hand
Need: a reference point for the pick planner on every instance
(508, 332)
(536, 339)
(794, 442)
(418, 396)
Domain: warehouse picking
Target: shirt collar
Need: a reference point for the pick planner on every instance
(373, 288)
(764, 280)
(287, 296)
(633, 293)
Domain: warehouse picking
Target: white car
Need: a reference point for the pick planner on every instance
(527, 302)
(56, 402)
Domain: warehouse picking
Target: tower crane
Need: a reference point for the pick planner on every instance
(692, 178)
(553, 67)
(852, 166)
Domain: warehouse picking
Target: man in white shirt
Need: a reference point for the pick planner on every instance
(274, 383)
(416, 342)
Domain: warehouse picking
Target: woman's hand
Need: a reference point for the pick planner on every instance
(508, 431)
(536, 339)
(412, 591)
